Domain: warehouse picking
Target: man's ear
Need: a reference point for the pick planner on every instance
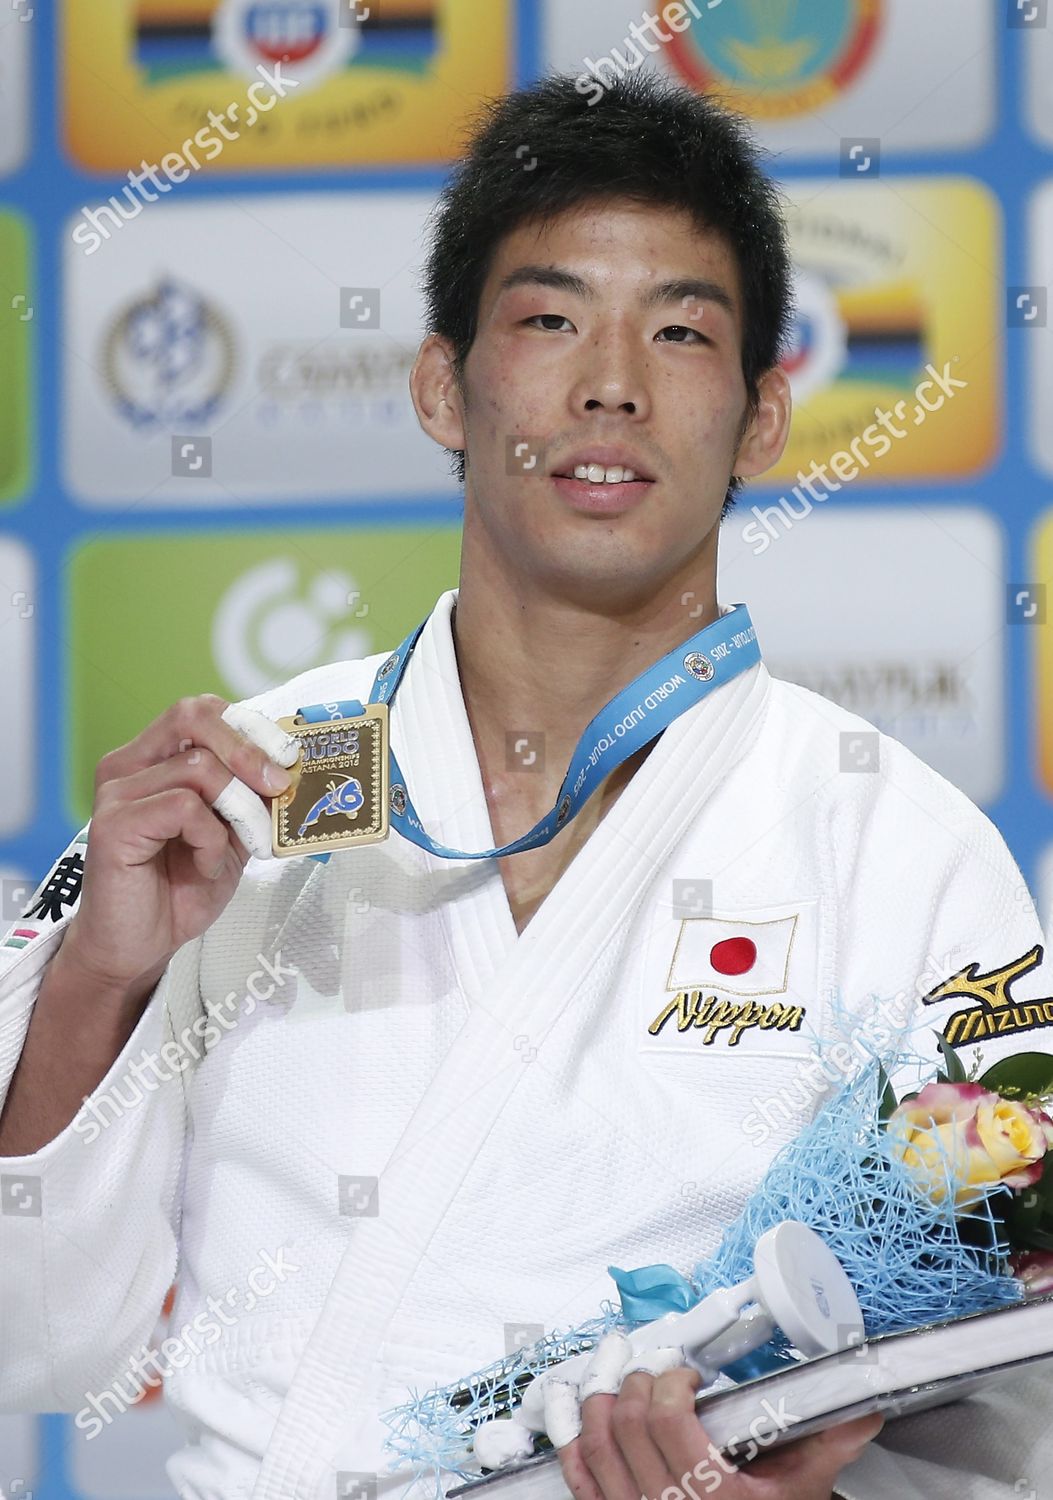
(436, 393)
(768, 427)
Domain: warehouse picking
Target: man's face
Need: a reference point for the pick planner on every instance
(610, 339)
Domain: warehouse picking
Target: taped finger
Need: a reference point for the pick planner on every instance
(263, 733)
(247, 815)
(501, 1441)
(562, 1412)
(606, 1369)
(657, 1361)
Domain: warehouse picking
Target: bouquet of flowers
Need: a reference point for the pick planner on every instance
(937, 1204)
(986, 1141)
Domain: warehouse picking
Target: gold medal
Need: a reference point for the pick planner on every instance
(339, 794)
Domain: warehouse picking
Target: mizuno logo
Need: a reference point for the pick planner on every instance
(997, 1011)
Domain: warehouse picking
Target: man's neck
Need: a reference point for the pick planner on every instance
(531, 663)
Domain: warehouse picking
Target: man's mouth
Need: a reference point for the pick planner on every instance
(601, 484)
(603, 473)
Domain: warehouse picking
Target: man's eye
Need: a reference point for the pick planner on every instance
(550, 321)
(679, 334)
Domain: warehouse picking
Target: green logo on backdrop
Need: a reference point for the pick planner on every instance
(16, 324)
(152, 619)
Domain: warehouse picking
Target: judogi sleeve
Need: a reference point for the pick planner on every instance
(935, 911)
(89, 1223)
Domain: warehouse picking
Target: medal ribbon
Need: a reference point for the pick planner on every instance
(712, 657)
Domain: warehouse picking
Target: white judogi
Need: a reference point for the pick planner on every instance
(526, 1126)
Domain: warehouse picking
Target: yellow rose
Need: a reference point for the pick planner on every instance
(967, 1137)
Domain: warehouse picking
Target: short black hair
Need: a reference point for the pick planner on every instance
(543, 150)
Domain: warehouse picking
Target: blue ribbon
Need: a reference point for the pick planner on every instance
(651, 702)
(651, 1291)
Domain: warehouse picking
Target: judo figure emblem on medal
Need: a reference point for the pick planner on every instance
(700, 666)
(338, 797)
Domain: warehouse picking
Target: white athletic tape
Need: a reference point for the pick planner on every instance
(262, 732)
(247, 815)
(657, 1361)
(612, 1360)
(603, 1373)
(246, 812)
(562, 1412)
(501, 1441)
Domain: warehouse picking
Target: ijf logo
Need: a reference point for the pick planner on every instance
(168, 358)
(312, 39)
(788, 59)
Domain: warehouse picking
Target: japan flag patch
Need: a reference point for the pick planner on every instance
(742, 986)
(733, 957)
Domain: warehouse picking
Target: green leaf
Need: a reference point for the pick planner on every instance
(1024, 1214)
(887, 1097)
(955, 1067)
(1034, 1239)
(1024, 1073)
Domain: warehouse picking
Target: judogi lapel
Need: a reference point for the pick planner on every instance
(536, 975)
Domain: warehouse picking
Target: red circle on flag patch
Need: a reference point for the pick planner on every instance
(733, 955)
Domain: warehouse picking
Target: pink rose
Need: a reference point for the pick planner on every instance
(967, 1135)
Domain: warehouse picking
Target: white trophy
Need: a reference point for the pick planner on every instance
(798, 1285)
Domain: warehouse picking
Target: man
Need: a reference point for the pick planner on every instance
(437, 1095)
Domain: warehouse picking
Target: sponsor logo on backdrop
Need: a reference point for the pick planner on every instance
(818, 346)
(364, 380)
(811, 73)
(373, 80)
(265, 619)
(276, 331)
(919, 601)
(885, 297)
(155, 617)
(168, 358)
(779, 57)
(312, 38)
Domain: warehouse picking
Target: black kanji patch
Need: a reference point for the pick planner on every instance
(60, 890)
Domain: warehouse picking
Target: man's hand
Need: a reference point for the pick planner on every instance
(648, 1442)
(163, 858)
(177, 813)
